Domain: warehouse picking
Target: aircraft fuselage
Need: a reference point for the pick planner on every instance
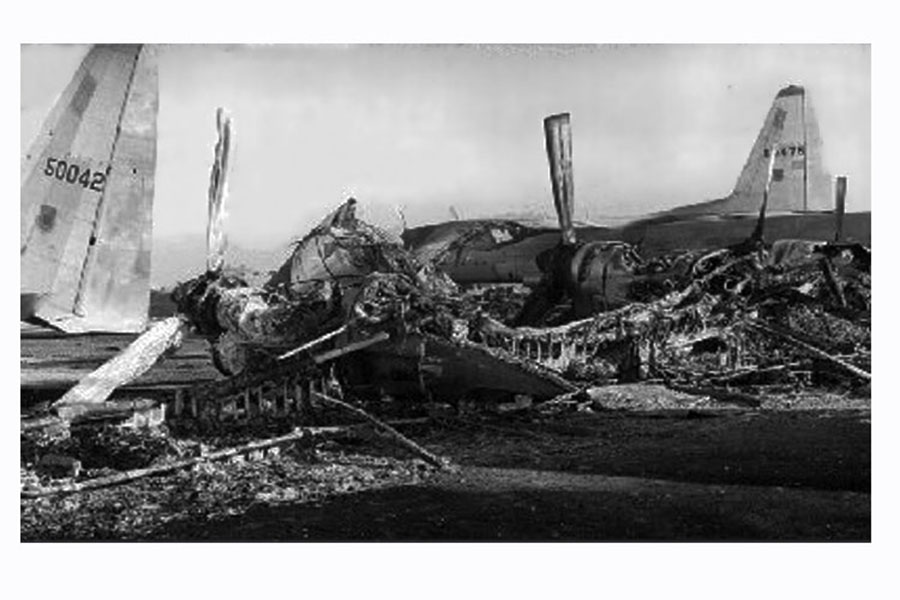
(514, 262)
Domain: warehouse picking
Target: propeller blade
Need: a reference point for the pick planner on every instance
(128, 365)
(401, 213)
(840, 195)
(558, 137)
(216, 242)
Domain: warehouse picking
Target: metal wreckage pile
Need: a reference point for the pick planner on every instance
(354, 321)
(794, 313)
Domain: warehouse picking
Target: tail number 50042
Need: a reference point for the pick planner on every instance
(72, 173)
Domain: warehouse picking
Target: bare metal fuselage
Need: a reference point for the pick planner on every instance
(514, 261)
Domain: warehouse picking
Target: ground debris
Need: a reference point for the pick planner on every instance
(152, 507)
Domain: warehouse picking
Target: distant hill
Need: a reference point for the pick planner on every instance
(179, 258)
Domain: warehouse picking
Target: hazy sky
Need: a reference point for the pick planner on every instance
(428, 127)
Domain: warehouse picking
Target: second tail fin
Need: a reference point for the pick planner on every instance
(798, 180)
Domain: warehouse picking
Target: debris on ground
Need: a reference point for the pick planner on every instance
(211, 490)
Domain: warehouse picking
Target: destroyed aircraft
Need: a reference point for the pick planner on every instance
(353, 312)
(713, 297)
(400, 326)
(599, 276)
(349, 304)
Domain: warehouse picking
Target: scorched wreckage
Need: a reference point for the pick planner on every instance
(356, 318)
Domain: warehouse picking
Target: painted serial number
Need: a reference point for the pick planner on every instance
(74, 174)
(792, 150)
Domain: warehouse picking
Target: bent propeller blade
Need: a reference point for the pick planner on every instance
(558, 137)
(216, 242)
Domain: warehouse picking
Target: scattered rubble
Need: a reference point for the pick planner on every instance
(153, 508)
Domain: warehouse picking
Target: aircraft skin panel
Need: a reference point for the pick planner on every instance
(79, 218)
(96, 134)
(820, 195)
(117, 275)
(79, 124)
(72, 194)
(54, 123)
(52, 204)
(756, 169)
(49, 229)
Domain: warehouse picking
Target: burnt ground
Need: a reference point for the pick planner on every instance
(678, 472)
(592, 477)
(597, 477)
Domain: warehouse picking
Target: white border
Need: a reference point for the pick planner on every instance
(447, 570)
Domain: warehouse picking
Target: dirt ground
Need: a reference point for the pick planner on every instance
(735, 476)
(643, 464)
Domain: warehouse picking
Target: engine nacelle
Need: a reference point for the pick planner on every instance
(599, 276)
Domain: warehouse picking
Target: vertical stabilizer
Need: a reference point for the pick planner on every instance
(87, 198)
(799, 181)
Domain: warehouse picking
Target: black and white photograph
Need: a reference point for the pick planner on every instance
(445, 292)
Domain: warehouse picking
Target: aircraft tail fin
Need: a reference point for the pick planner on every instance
(87, 198)
(798, 180)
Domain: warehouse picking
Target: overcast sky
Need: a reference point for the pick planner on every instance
(428, 127)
